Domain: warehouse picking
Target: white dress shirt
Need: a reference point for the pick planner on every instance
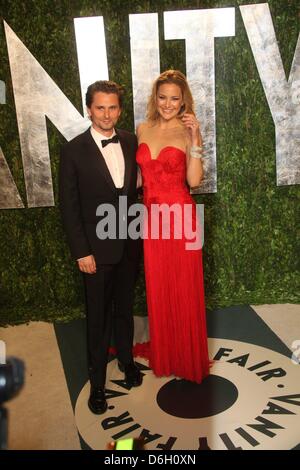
(113, 157)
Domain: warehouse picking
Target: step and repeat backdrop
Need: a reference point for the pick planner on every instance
(242, 61)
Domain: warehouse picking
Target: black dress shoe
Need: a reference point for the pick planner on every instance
(97, 402)
(133, 375)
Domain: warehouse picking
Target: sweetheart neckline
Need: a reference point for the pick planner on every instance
(163, 148)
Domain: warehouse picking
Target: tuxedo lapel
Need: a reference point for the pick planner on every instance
(127, 160)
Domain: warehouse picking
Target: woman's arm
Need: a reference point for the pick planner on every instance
(194, 171)
(139, 182)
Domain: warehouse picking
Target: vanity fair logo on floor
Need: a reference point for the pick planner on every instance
(2, 352)
(251, 400)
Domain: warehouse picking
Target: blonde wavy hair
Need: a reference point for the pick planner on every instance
(177, 78)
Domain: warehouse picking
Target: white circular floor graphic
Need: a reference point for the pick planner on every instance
(251, 400)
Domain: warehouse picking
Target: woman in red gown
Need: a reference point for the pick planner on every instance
(170, 159)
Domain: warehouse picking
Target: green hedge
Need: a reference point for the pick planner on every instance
(250, 251)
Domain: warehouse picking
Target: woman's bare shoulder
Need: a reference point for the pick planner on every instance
(142, 127)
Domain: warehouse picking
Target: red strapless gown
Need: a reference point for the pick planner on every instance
(174, 275)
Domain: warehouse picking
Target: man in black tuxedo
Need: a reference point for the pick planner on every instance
(97, 167)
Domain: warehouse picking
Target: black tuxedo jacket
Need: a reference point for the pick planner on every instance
(85, 183)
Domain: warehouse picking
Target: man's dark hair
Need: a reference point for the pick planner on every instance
(105, 86)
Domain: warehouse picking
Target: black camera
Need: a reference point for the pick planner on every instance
(11, 381)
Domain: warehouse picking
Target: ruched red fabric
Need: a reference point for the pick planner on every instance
(173, 273)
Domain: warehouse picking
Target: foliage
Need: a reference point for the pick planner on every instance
(250, 231)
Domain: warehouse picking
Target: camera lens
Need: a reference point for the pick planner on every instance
(11, 378)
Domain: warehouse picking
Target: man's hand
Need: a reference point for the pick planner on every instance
(87, 264)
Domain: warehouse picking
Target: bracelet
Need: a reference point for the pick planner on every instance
(196, 155)
(196, 151)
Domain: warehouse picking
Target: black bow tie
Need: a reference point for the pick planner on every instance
(113, 140)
